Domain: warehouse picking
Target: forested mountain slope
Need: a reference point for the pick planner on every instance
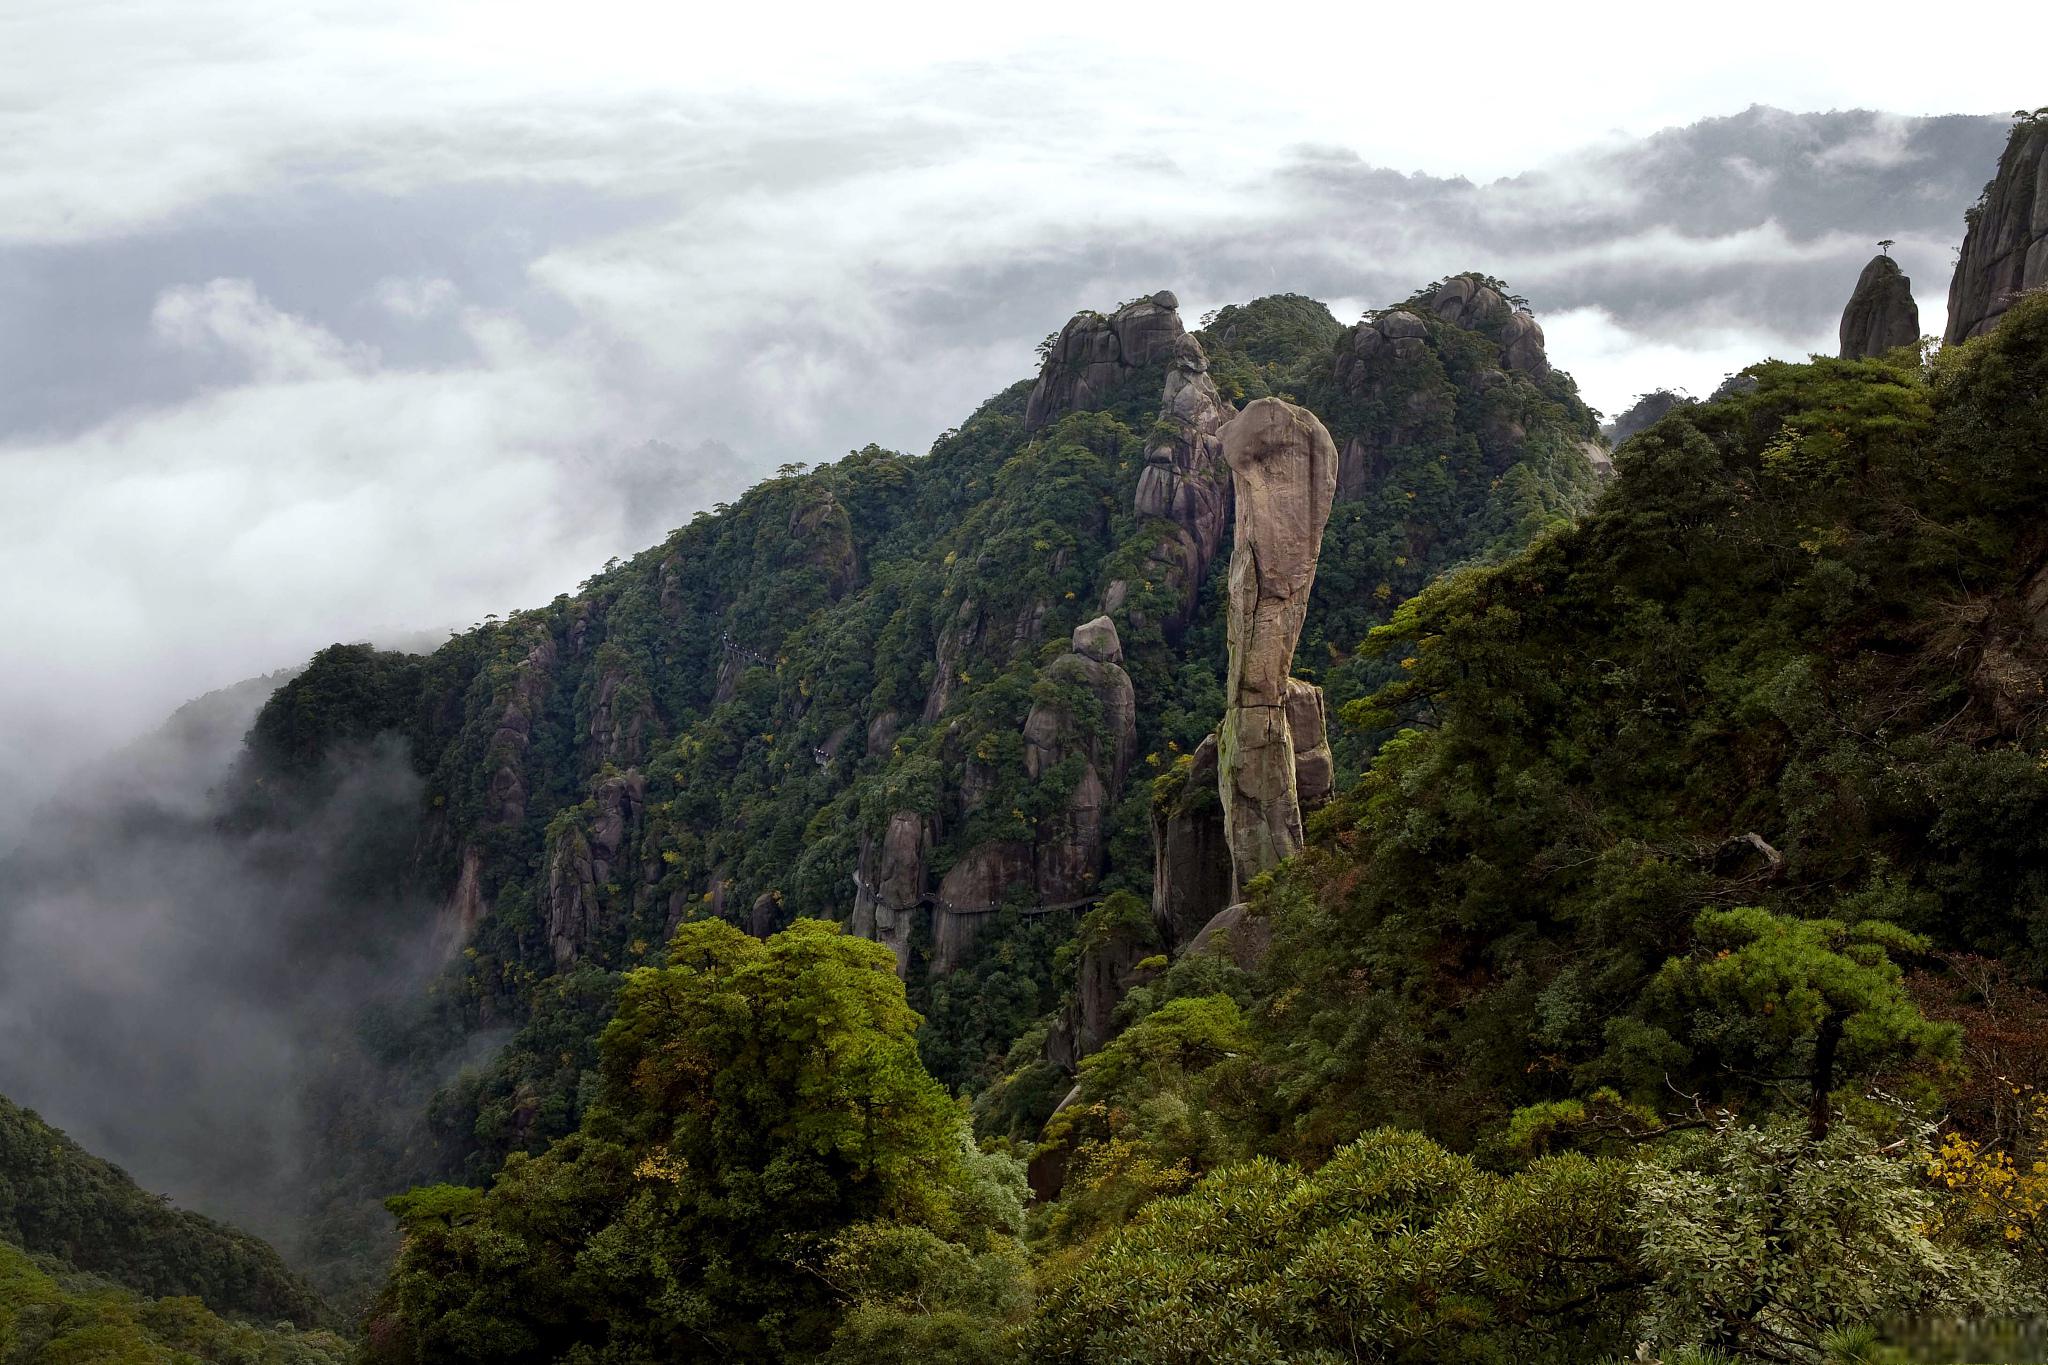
(1666, 988)
(93, 1268)
(852, 694)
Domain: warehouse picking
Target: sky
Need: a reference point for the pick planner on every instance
(357, 321)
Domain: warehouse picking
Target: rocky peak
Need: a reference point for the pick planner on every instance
(1468, 301)
(1881, 315)
(1185, 480)
(1093, 354)
(1284, 466)
(2005, 250)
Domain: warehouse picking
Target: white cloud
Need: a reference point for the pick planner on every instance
(228, 317)
(783, 229)
(415, 299)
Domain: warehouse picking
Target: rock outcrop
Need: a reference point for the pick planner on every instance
(971, 888)
(1881, 315)
(2005, 250)
(891, 882)
(1469, 302)
(572, 895)
(1285, 469)
(1385, 364)
(1185, 480)
(582, 858)
(522, 700)
(1191, 876)
(1094, 354)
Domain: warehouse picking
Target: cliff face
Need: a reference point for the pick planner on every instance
(2005, 250)
(1881, 314)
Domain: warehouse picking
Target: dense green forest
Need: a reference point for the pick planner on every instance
(94, 1269)
(1664, 979)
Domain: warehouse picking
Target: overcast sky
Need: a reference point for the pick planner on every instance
(329, 322)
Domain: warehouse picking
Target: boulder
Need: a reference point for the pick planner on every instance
(1094, 354)
(1238, 934)
(1285, 469)
(1315, 768)
(1881, 315)
(2005, 249)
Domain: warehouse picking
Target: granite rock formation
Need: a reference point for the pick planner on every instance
(891, 883)
(1093, 354)
(2005, 250)
(1881, 315)
(1284, 466)
(1185, 480)
(1191, 876)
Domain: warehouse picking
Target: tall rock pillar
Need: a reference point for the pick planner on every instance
(1881, 315)
(1283, 467)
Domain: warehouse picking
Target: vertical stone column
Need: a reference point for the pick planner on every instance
(1283, 465)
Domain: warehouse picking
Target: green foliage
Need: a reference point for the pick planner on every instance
(1768, 1246)
(763, 1118)
(1785, 664)
(51, 1316)
(1395, 1250)
(58, 1200)
(1765, 994)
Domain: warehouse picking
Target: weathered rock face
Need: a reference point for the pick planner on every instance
(1476, 306)
(1238, 934)
(1881, 314)
(579, 861)
(882, 733)
(1093, 354)
(891, 888)
(970, 889)
(1070, 844)
(2005, 250)
(1315, 768)
(466, 906)
(1185, 480)
(572, 895)
(523, 699)
(1285, 469)
(1191, 878)
(621, 718)
(1106, 973)
(619, 801)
